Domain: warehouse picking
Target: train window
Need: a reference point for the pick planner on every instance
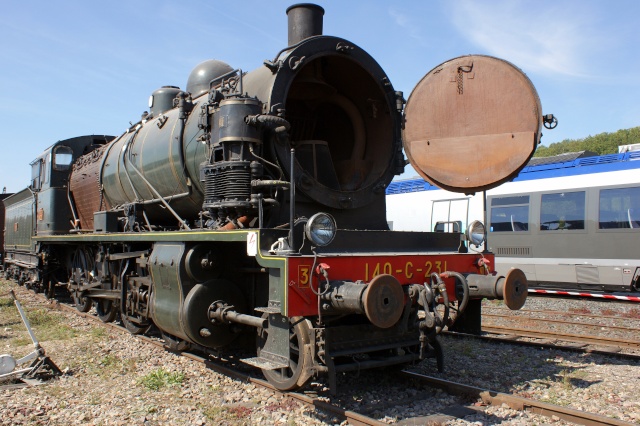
(510, 214)
(44, 174)
(619, 208)
(36, 168)
(452, 226)
(562, 210)
(506, 201)
(450, 215)
(62, 157)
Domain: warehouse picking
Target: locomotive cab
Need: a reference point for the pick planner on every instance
(49, 182)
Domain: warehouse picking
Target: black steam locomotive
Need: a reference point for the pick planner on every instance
(250, 207)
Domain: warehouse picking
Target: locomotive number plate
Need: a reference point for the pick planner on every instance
(419, 271)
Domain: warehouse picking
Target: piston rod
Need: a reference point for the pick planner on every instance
(221, 312)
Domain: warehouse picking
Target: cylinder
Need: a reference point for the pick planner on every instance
(305, 20)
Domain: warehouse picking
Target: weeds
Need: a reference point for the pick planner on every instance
(109, 361)
(238, 414)
(98, 333)
(565, 378)
(161, 378)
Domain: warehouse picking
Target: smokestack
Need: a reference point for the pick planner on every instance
(305, 20)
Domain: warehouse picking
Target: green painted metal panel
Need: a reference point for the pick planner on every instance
(167, 299)
(19, 221)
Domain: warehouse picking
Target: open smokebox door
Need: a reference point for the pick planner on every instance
(472, 123)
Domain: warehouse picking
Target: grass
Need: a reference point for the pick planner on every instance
(237, 415)
(98, 333)
(161, 378)
(468, 350)
(565, 379)
(49, 325)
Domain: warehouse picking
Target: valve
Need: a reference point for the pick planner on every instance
(549, 121)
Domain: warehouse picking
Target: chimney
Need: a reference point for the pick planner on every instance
(305, 20)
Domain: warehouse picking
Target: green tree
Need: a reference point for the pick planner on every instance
(602, 143)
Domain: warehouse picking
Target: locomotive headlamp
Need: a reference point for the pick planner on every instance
(320, 229)
(476, 233)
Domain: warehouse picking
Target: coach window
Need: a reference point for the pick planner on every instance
(510, 214)
(619, 208)
(562, 210)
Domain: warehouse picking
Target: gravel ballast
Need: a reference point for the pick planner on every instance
(112, 378)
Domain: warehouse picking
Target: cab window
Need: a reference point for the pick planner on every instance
(62, 158)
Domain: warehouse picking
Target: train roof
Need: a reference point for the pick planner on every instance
(570, 164)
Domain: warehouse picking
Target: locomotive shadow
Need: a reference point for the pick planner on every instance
(522, 371)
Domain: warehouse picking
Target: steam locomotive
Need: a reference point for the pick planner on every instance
(249, 209)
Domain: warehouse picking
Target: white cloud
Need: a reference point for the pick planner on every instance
(555, 38)
(407, 23)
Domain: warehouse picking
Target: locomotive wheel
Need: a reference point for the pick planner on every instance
(106, 310)
(83, 304)
(134, 327)
(174, 343)
(295, 376)
(81, 267)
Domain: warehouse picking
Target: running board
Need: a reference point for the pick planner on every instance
(264, 363)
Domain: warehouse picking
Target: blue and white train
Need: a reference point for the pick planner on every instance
(570, 222)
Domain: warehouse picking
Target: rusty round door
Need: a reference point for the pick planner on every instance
(472, 123)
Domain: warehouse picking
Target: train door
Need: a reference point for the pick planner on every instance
(450, 215)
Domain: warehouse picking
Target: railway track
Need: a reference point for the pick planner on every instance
(351, 417)
(632, 315)
(490, 397)
(567, 337)
(361, 417)
(582, 331)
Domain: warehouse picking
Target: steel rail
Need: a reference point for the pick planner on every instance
(578, 338)
(519, 403)
(511, 339)
(553, 321)
(561, 313)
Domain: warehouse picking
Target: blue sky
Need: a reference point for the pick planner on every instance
(81, 67)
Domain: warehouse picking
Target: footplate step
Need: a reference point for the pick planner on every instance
(263, 363)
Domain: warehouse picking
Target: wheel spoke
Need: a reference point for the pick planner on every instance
(297, 374)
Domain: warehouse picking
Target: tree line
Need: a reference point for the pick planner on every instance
(602, 143)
